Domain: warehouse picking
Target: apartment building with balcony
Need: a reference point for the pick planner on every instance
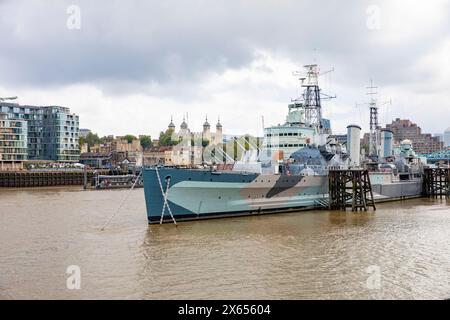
(52, 131)
(13, 143)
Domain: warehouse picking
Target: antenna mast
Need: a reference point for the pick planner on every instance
(310, 100)
(374, 125)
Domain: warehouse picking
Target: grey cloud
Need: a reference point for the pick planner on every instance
(171, 41)
(170, 48)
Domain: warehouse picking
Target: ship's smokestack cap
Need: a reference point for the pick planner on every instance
(354, 126)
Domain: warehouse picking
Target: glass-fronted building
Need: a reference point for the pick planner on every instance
(52, 132)
(13, 142)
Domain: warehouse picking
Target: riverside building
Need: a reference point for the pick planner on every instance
(424, 143)
(13, 143)
(52, 131)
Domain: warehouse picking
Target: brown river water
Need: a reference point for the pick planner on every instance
(401, 251)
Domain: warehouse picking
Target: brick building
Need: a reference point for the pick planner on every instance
(423, 143)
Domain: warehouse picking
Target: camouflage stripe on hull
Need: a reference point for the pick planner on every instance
(200, 193)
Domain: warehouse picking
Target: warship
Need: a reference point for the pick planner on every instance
(288, 173)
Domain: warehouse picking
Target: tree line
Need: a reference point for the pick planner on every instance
(92, 139)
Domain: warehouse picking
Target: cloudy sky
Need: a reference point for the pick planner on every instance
(127, 66)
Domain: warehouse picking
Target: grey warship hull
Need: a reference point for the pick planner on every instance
(194, 194)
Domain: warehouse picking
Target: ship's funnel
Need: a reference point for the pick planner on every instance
(386, 143)
(353, 144)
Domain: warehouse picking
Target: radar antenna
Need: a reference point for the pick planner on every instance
(310, 99)
(374, 125)
(374, 135)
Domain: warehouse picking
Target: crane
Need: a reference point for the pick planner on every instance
(7, 98)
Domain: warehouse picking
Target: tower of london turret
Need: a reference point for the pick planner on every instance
(218, 138)
(171, 125)
(184, 130)
(206, 130)
(206, 134)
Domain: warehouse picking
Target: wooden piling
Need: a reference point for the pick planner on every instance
(436, 182)
(350, 188)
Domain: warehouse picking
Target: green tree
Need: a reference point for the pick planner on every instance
(205, 143)
(165, 138)
(146, 142)
(246, 142)
(81, 143)
(92, 139)
(106, 139)
(129, 138)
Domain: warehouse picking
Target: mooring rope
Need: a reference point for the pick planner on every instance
(122, 203)
(165, 198)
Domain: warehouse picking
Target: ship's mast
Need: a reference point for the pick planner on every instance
(311, 96)
(310, 100)
(374, 125)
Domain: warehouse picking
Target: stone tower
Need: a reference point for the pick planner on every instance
(171, 125)
(206, 130)
(184, 130)
(218, 138)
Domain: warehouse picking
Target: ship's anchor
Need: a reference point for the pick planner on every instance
(165, 196)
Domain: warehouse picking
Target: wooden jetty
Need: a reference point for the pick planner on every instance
(350, 188)
(32, 178)
(436, 182)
